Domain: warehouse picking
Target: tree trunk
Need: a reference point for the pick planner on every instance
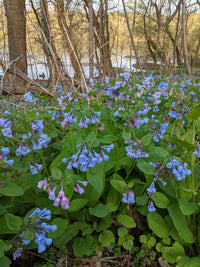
(16, 24)
(72, 50)
(185, 40)
(132, 41)
(91, 38)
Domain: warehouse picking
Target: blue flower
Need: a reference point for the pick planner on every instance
(151, 207)
(152, 188)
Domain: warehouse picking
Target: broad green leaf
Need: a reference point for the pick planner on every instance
(194, 114)
(3, 247)
(187, 207)
(13, 222)
(62, 224)
(145, 167)
(83, 246)
(56, 173)
(5, 262)
(118, 183)
(181, 143)
(77, 204)
(126, 136)
(100, 210)
(58, 160)
(70, 232)
(183, 261)
(96, 177)
(106, 238)
(20, 165)
(160, 200)
(142, 200)
(180, 222)
(92, 139)
(122, 231)
(30, 235)
(126, 220)
(170, 254)
(146, 139)
(157, 224)
(11, 190)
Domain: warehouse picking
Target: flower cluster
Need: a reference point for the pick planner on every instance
(28, 97)
(178, 169)
(87, 158)
(42, 228)
(39, 228)
(135, 151)
(3, 156)
(128, 198)
(35, 168)
(6, 125)
(178, 110)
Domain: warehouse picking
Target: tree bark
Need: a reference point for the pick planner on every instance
(185, 40)
(16, 24)
(132, 41)
(91, 38)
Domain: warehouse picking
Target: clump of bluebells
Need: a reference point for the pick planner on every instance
(128, 198)
(40, 228)
(179, 169)
(87, 158)
(135, 151)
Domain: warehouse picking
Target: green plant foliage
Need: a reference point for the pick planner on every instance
(121, 160)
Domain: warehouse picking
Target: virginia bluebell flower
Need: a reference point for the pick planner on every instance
(179, 169)
(151, 207)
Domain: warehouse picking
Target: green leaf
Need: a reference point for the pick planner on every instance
(20, 165)
(62, 224)
(142, 200)
(96, 177)
(92, 139)
(187, 207)
(99, 211)
(122, 231)
(13, 222)
(77, 204)
(126, 136)
(118, 183)
(160, 200)
(11, 190)
(109, 138)
(180, 223)
(106, 238)
(5, 261)
(194, 114)
(158, 153)
(56, 173)
(170, 254)
(181, 143)
(58, 160)
(126, 220)
(30, 235)
(83, 246)
(3, 248)
(146, 139)
(158, 225)
(183, 261)
(145, 167)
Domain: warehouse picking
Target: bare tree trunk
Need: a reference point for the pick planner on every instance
(91, 38)
(185, 53)
(133, 43)
(72, 49)
(16, 23)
